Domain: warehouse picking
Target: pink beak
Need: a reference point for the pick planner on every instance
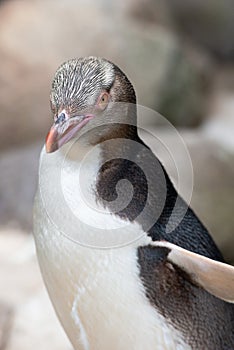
(63, 131)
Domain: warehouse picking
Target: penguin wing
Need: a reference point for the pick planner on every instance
(215, 277)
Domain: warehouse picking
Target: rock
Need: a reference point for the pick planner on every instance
(37, 36)
(149, 11)
(24, 105)
(209, 24)
(219, 124)
(18, 182)
(183, 97)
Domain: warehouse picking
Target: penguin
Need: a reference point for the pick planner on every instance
(126, 262)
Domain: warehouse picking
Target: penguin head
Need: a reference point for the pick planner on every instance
(90, 96)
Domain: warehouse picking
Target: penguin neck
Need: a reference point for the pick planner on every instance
(82, 163)
(129, 159)
(122, 155)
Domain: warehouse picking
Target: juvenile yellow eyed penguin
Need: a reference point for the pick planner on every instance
(156, 288)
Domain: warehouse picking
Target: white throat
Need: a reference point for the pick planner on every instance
(67, 185)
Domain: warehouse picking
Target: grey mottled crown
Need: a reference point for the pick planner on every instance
(78, 82)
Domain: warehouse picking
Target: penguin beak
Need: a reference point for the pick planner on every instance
(64, 129)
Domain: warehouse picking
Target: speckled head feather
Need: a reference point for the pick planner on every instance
(78, 83)
(76, 103)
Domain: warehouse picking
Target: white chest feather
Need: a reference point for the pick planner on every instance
(97, 293)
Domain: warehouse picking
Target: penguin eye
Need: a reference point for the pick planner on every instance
(103, 101)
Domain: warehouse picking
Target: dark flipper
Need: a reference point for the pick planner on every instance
(174, 281)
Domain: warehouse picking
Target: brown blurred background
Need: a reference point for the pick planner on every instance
(179, 54)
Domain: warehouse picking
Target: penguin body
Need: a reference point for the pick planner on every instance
(128, 276)
(101, 302)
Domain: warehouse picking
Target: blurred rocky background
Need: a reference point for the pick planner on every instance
(179, 54)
